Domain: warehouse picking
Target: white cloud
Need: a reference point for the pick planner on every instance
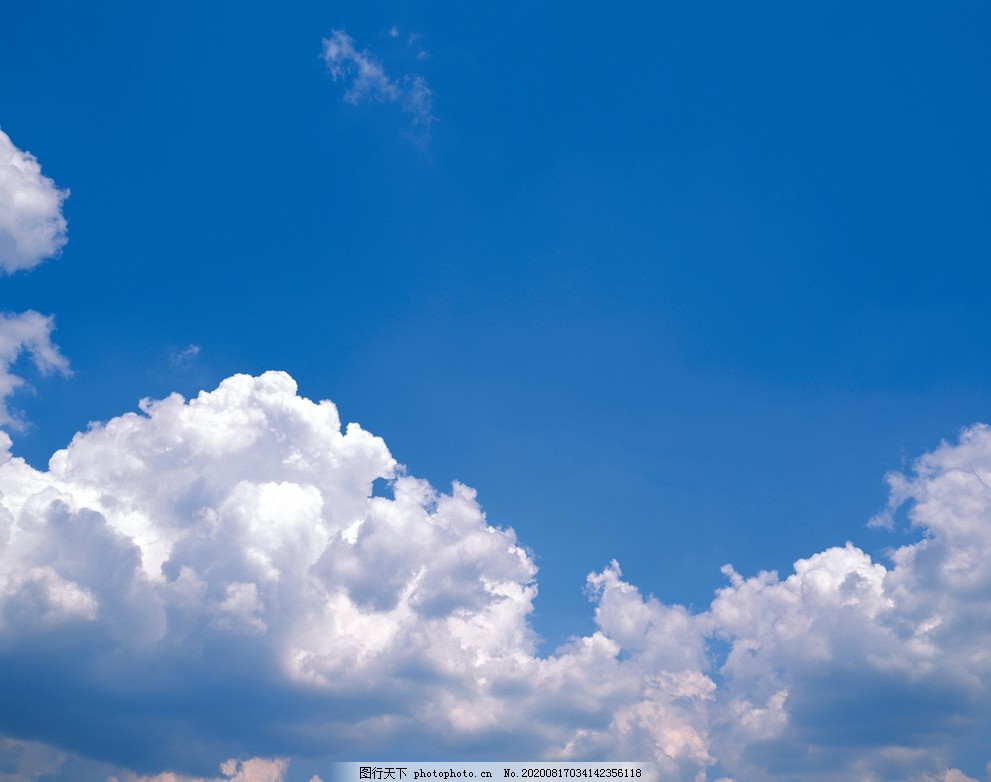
(32, 227)
(25, 333)
(891, 664)
(31, 761)
(184, 356)
(365, 73)
(222, 565)
(226, 560)
(232, 770)
(367, 79)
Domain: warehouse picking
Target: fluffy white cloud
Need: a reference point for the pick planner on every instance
(368, 81)
(214, 578)
(223, 564)
(890, 664)
(32, 227)
(31, 333)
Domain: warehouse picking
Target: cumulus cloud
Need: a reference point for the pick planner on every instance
(222, 564)
(214, 579)
(32, 227)
(889, 663)
(367, 80)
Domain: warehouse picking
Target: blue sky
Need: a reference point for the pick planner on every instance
(673, 285)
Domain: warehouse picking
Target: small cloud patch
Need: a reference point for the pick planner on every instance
(183, 357)
(366, 80)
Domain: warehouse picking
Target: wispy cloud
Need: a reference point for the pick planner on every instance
(32, 226)
(183, 357)
(366, 79)
(25, 333)
(227, 559)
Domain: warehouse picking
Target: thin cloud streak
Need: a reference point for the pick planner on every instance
(367, 80)
(184, 356)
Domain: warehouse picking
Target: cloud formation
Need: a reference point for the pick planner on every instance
(26, 761)
(214, 579)
(182, 357)
(232, 770)
(32, 226)
(25, 333)
(368, 81)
